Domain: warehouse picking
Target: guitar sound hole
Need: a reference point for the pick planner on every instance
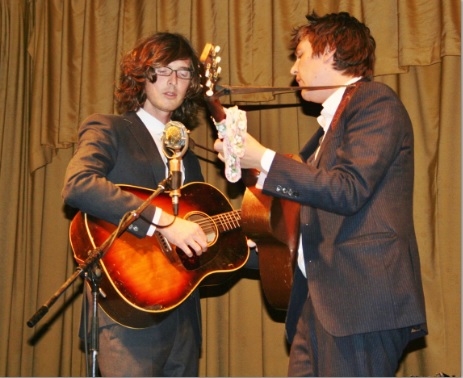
(207, 224)
(210, 229)
(190, 263)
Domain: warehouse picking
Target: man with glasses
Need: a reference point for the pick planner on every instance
(182, 73)
(159, 82)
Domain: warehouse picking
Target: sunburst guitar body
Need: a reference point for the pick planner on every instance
(143, 277)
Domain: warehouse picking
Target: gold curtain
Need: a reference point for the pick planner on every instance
(58, 64)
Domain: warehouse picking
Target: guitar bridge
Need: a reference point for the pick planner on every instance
(165, 246)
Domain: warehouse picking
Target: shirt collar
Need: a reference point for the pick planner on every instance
(154, 126)
(331, 105)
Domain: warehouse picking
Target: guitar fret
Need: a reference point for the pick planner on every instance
(228, 221)
(224, 222)
(234, 220)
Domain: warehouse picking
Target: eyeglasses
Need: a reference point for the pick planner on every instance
(182, 73)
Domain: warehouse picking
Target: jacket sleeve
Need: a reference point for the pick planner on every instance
(86, 186)
(355, 156)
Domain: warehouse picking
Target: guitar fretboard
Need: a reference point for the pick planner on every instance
(224, 222)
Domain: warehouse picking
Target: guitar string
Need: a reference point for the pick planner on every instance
(206, 224)
(231, 218)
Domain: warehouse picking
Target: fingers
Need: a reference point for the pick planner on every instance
(218, 145)
(196, 243)
(251, 243)
(186, 235)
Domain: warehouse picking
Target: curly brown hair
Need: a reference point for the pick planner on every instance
(354, 45)
(137, 66)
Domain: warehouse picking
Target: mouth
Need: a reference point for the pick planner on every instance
(170, 94)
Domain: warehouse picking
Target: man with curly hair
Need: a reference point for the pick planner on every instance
(159, 82)
(357, 296)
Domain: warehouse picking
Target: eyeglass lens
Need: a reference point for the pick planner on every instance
(182, 73)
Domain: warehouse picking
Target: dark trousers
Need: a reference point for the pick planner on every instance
(315, 352)
(169, 348)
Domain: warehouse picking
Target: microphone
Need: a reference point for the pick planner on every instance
(174, 146)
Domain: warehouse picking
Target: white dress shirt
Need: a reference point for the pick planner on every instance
(156, 129)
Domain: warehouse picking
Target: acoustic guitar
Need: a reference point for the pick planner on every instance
(272, 223)
(142, 277)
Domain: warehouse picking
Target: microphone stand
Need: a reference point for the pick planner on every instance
(93, 278)
(225, 90)
(85, 269)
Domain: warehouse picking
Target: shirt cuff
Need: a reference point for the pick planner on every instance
(265, 163)
(156, 217)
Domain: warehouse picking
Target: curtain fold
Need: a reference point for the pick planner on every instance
(428, 31)
(59, 63)
(72, 40)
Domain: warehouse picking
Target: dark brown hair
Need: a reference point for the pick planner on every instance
(354, 45)
(137, 66)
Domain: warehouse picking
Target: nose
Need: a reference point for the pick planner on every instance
(173, 78)
(294, 68)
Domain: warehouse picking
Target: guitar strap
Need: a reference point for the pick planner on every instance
(348, 93)
(313, 146)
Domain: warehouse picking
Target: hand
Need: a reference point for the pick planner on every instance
(184, 234)
(251, 243)
(252, 153)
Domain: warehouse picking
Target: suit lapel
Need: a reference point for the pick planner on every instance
(348, 93)
(143, 138)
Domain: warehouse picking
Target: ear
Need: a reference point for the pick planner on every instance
(328, 54)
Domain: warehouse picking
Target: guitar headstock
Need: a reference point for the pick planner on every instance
(211, 61)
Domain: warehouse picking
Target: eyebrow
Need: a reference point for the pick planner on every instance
(182, 66)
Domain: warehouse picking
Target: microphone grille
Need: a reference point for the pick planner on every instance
(175, 135)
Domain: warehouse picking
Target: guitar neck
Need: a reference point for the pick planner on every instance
(210, 60)
(215, 108)
(228, 221)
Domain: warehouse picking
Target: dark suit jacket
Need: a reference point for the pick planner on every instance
(360, 249)
(117, 150)
(120, 150)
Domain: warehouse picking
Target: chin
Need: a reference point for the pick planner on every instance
(306, 95)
